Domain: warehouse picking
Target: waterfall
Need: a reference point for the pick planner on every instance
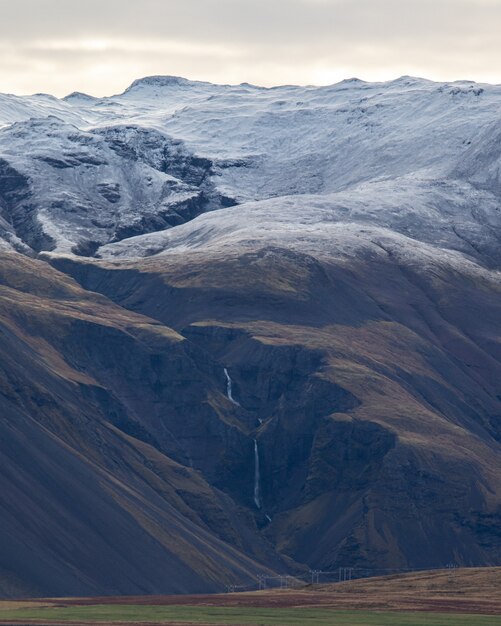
(229, 385)
(257, 476)
(257, 470)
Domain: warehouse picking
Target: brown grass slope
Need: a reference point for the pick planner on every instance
(378, 383)
(463, 590)
(90, 502)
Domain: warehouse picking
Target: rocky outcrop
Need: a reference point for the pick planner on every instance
(74, 191)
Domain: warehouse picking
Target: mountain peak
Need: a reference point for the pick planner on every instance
(162, 81)
(79, 95)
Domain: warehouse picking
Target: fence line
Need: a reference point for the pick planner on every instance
(340, 574)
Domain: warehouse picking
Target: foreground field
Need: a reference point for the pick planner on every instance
(153, 615)
(469, 597)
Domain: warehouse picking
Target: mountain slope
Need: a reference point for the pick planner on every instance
(279, 347)
(376, 381)
(90, 501)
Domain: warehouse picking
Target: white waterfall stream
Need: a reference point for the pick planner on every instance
(229, 386)
(257, 470)
(257, 476)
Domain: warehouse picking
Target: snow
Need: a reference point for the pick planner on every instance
(453, 217)
(304, 224)
(327, 169)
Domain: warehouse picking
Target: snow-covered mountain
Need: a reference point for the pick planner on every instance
(414, 157)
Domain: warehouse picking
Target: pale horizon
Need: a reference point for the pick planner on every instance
(101, 47)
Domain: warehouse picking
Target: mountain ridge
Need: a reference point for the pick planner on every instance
(327, 139)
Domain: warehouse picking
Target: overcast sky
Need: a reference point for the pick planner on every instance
(100, 46)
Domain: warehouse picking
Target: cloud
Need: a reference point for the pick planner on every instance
(102, 45)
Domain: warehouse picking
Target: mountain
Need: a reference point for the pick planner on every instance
(248, 330)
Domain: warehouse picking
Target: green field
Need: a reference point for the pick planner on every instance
(241, 615)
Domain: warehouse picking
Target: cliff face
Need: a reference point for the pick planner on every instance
(127, 469)
(372, 392)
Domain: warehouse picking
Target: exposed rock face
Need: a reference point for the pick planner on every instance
(14, 190)
(78, 190)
